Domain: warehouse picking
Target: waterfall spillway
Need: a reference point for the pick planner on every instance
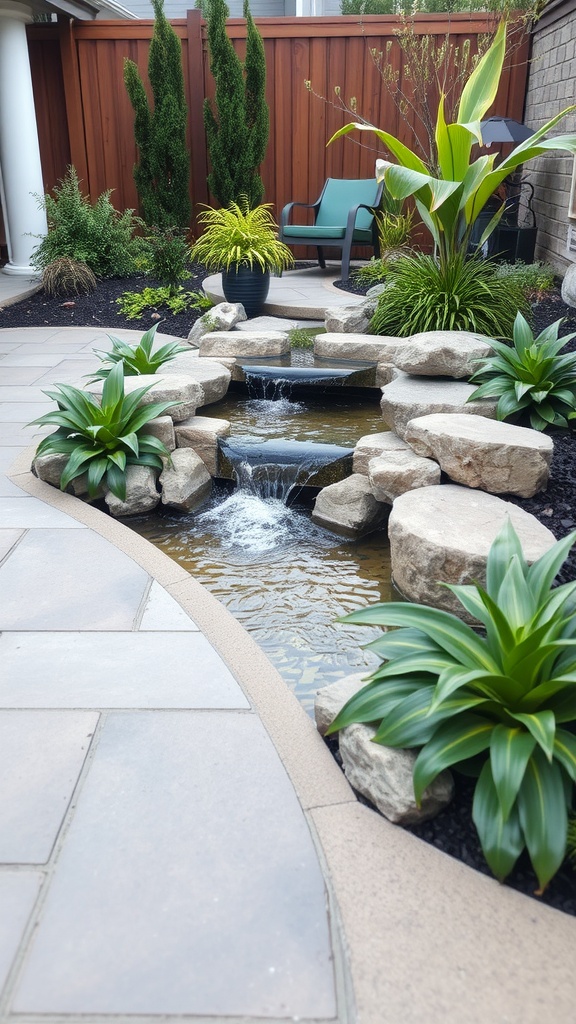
(274, 382)
(272, 469)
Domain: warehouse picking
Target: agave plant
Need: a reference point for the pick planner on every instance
(501, 707)
(450, 204)
(102, 440)
(530, 377)
(138, 359)
(237, 235)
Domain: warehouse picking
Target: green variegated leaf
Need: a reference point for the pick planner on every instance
(510, 750)
(443, 628)
(116, 481)
(398, 642)
(543, 816)
(542, 726)
(374, 702)
(410, 664)
(501, 840)
(404, 155)
(76, 465)
(505, 545)
(480, 90)
(541, 573)
(453, 741)
(565, 751)
(489, 685)
(514, 596)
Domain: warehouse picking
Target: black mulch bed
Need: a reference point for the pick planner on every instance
(451, 831)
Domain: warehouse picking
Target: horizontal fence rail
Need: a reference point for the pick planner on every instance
(85, 117)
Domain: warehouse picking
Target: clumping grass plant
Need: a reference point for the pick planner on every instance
(137, 359)
(460, 293)
(65, 277)
(102, 439)
(530, 378)
(499, 707)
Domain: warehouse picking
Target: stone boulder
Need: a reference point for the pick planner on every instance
(176, 387)
(408, 397)
(496, 457)
(185, 480)
(395, 472)
(443, 535)
(222, 317)
(142, 495)
(213, 376)
(331, 699)
(163, 428)
(245, 343)
(385, 374)
(365, 347)
(348, 507)
(201, 433)
(442, 354)
(384, 775)
(569, 286)
(352, 319)
(372, 445)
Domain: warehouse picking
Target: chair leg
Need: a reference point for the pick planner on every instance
(346, 260)
(321, 260)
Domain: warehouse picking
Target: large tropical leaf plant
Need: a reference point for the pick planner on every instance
(102, 440)
(501, 707)
(450, 204)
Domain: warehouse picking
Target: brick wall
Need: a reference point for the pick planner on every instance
(551, 88)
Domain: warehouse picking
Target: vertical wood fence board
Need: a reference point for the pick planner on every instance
(48, 88)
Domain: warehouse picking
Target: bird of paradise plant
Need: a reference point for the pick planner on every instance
(450, 204)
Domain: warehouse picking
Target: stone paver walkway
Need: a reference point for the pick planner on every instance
(176, 843)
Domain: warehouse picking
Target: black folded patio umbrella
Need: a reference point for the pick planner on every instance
(504, 129)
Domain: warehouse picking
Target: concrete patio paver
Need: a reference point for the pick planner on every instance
(212, 863)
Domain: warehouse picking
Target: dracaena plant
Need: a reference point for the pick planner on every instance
(138, 359)
(531, 377)
(102, 440)
(450, 203)
(501, 706)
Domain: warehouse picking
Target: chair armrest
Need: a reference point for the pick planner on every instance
(352, 214)
(284, 218)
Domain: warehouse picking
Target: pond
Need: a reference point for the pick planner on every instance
(257, 550)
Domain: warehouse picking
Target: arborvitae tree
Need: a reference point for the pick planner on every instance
(237, 133)
(162, 174)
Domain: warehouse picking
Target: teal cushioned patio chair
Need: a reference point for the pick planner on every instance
(343, 217)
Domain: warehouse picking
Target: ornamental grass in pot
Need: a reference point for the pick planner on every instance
(243, 243)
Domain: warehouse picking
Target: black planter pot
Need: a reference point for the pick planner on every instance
(248, 285)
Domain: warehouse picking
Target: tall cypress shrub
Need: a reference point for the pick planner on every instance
(162, 173)
(237, 131)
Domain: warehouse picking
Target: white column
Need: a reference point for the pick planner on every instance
(20, 167)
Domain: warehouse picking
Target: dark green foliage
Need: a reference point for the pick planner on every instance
(408, 8)
(94, 234)
(530, 377)
(103, 439)
(133, 304)
(237, 131)
(162, 174)
(169, 256)
(65, 277)
(460, 294)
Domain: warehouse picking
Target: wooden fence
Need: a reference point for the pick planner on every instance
(85, 116)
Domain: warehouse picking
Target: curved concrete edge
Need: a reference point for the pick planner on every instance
(292, 297)
(11, 300)
(426, 938)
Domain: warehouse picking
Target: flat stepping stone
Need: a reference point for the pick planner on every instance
(187, 392)
(372, 445)
(244, 343)
(368, 347)
(395, 472)
(497, 457)
(213, 376)
(276, 323)
(444, 533)
(408, 397)
(443, 354)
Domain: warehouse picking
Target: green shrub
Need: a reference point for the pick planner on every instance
(459, 294)
(94, 234)
(501, 707)
(303, 337)
(535, 279)
(169, 256)
(163, 170)
(137, 359)
(64, 277)
(531, 377)
(374, 272)
(133, 304)
(102, 440)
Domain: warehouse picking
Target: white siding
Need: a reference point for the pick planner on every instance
(178, 8)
